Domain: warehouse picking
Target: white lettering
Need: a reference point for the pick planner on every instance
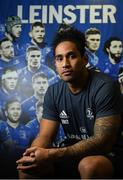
(109, 14)
(33, 13)
(44, 14)
(69, 13)
(20, 14)
(95, 14)
(54, 14)
(82, 12)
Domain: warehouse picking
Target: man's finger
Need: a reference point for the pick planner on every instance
(26, 166)
(25, 159)
(29, 150)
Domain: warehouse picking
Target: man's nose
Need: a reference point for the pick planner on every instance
(66, 62)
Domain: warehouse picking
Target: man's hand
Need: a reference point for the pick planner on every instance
(30, 151)
(33, 157)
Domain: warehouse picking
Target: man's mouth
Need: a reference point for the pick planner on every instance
(67, 72)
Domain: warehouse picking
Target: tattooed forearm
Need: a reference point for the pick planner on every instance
(105, 132)
(106, 129)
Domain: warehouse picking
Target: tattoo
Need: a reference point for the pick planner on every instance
(104, 136)
(101, 142)
(55, 154)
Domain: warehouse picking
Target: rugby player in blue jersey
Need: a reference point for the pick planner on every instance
(88, 104)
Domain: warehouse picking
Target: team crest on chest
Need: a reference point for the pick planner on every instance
(89, 114)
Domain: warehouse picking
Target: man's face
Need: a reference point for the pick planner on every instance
(38, 34)
(93, 42)
(7, 49)
(14, 111)
(34, 58)
(16, 30)
(10, 80)
(40, 86)
(115, 50)
(68, 61)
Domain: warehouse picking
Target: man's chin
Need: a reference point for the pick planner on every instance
(67, 79)
(39, 42)
(117, 59)
(12, 89)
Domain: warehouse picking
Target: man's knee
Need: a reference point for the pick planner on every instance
(95, 167)
(86, 166)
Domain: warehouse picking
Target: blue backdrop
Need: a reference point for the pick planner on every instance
(105, 15)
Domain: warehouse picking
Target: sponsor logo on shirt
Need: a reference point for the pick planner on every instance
(32, 108)
(64, 117)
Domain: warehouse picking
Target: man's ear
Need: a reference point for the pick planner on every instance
(0, 52)
(6, 114)
(30, 34)
(107, 50)
(26, 56)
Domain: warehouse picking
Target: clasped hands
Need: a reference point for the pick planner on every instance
(34, 157)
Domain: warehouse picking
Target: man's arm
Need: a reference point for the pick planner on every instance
(105, 133)
(48, 130)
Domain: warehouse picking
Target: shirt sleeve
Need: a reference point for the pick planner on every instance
(108, 100)
(49, 107)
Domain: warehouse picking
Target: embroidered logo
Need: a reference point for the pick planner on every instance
(89, 114)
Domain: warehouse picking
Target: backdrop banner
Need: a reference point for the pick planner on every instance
(27, 29)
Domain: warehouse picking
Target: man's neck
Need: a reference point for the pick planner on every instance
(80, 83)
(112, 61)
(38, 96)
(13, 125)
(5, 59)
(36, 44)
(90, 51)
(9, 36)
(33, 69)
(7, 91)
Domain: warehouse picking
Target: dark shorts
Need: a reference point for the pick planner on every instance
(116, 157)
(66, 170)
(69, 169)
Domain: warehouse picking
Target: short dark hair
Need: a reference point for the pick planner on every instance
(35, 24)
(39, 74)
(10, 101)
(32, 48)
(3, 40)
(92, 31)
(108, 43)
(70, 34)
(9, 69)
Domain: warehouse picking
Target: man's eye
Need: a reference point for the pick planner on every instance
(33, 56)
(72, 56)
(59, 58)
